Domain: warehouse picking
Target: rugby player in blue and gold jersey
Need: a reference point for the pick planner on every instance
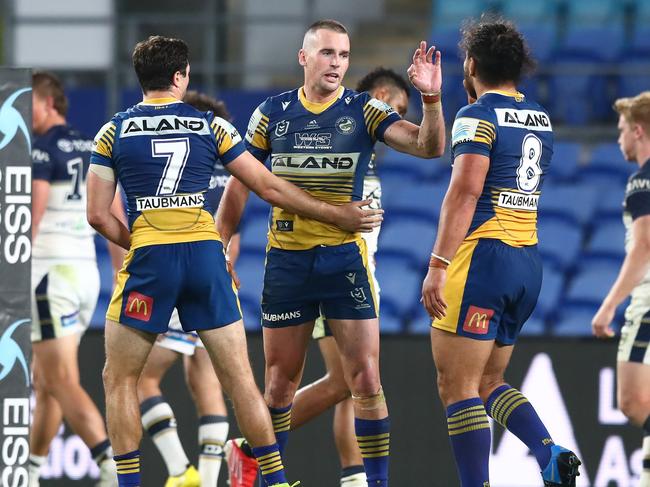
(163, 153)
(321, 137)
(502, 145)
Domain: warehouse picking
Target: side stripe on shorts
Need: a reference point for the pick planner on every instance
(43, 308)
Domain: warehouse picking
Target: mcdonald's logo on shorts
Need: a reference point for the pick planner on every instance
(477, 320)
(139, 306)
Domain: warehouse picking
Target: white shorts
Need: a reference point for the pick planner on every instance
(64, 296)
(634, 344)
(177, 339)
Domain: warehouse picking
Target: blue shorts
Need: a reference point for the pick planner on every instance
(491, 290)
(191, 277)
(300, 284)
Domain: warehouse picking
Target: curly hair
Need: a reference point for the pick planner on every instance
(381, 77)
(498, 49)
(204, 103)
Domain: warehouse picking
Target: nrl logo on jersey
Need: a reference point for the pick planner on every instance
(164, 124)
(281, 128)
(313, 141)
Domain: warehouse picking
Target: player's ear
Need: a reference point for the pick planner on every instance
(638, 131)
(302, 57)
(471, 66)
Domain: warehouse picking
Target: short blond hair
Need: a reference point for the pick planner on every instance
(635, 109)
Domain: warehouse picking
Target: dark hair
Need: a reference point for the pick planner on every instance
(45, 84)
(157, 59)
(327, 24)
(498, 49)
(204, 103)
(380, 77)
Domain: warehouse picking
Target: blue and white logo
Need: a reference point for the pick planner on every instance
(10, 352)
(11, 120)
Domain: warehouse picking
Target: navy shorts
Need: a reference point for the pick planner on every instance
(300, 285)
(191, 277)
(491, 290)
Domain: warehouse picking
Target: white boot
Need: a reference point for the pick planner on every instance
(107, 474)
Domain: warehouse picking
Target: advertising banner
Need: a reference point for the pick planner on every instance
(15, 252)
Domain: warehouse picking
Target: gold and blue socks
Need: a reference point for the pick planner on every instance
(510, 408)
(281, 418)
(469, 433)
(128, 469)
(270, 463)
(373, 436)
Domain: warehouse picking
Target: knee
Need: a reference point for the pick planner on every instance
(280, 387)
(635, 405)
(364, 378)
(337, 387)
(57, 379)
(488, 384)
(453, 388)
(113, 378)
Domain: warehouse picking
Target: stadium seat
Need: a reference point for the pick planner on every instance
(574, 203)
(422, 200)
(250, 269)
(400, 284)
(591, 283)
(566, 156)
(640, 40)
(593, 12)
(390, 160)
(607, 167)
(560, 241)
(534, 327)
(634, 65)
(541, 39)
(420, 324)
(610, 204)
(408, 238)
(574, 321)
(529, 13)
(389, 323)
(549, 297)
(253, 234)
(256, 205)
(252, 317)
(453, 13)
(607, 241)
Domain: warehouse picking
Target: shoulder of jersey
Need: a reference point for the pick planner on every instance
(281, 102)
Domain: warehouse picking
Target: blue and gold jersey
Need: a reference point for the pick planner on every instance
(324, 149)
(517, 136)
(164, 153)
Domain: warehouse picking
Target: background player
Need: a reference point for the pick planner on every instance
(176, 259)
(65, 280)
(314, 399)
(157, 416)
(314, 269)
(633, 368)
(501, 147)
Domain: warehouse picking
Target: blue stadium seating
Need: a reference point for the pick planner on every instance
(534, 327)
(607, 241)
(549, 297)
(560, 241)
(390, 323)
(392, 161)
(256, 205)
(591, 12)
(566, 156)
(400, 284)
(454, 12)
(409, 238)
(607, 167)
(602, 42)
(634, 64)
(253, 234)
(250, 269)
(252, 317)
(575, 321)
(575, 203)
(422, 200)
(421, 322)
(528, 13)
(640, 40)
(591, 283)
(610, 204)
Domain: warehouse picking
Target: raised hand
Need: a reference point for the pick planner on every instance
(425, 73)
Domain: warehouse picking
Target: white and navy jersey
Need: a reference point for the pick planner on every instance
(61, 156)
(372, 184)
(324, 149)
(636, 205)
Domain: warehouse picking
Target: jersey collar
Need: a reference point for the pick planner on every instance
(160, 101)
(317, 108)
(518, 96)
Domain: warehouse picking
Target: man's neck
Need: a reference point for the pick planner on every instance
(505, 87)
(53, 121)
(158, 94)
(314, 96)
(643, 154)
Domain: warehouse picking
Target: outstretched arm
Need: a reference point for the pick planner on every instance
(230, 209)
(349, 216)
(428, 139)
